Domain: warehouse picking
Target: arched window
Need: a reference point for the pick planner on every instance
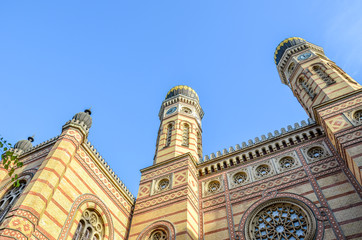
(10, 197)
(169, 135)
(90, 227)
(306, 87)
(291, 68)
(327, 79)
(185, 135)
(158, 234)
(199, 144)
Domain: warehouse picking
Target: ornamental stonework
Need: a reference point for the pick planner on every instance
(263, 170)
(213, 186)
(316, 152)
(286, 162)
(162, 184)
(239, 177)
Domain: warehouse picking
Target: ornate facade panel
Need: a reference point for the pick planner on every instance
(286, 161)
(162, 184)
(262, 170)
(213, 186)
(316, 151)
(239, 177)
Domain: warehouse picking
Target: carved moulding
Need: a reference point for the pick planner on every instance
(280, 215)
(286, 162)
(162, 184)
(213, 186)
(354, 116)
(239, 178)
(316, 151)
(263, 170)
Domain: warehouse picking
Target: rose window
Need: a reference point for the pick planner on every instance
(158, 235)
(358, 116)
(262, 170)
(287, 162)
(281, 220)
(315, 152)
(90, 227)
(213, 186)
(163, 184)
(239, 177)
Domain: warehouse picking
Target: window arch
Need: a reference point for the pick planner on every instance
(185, 135)
(90, 227)
(10, 197)
(305, 87)
(325, 77)
(169, 135)
(291, 68)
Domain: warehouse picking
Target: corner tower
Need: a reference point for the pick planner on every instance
(180, 129)
(327, 93)
(310, 74)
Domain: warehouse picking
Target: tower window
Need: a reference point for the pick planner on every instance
(90, 227)
(169, 135)
(327, 79)
(199, 144)
(291, 68)
(185, 135)
(306, 87)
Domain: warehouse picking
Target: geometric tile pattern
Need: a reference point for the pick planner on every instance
(337, 123)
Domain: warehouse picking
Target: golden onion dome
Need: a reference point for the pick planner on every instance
(284, 45)
(182, 90)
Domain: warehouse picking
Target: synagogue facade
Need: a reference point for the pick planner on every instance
(302, 182)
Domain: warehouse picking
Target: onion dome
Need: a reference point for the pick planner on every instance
(182, 90)
(84, 117)
(24, 145)
(284, 45)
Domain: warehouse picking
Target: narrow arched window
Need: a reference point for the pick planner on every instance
(169, 135)
(90, 227)
(306, 87)
(325, 77)
(185, 135)
(9, 199)
(199, 144)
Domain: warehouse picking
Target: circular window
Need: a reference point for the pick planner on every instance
(315, 152)
(240, 177)
(262, 170)
(358, 116)
(281, 219)
(158, 235)
(163, 184)
(286, 162)
(213, 186)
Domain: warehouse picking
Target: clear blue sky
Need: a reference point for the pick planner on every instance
(121, 58)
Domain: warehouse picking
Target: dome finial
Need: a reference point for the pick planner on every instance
(88, 111)
(84, 117)
(31, 139)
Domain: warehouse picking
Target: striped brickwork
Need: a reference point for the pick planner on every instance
(326, 184)
(66, 179)
(176, 147)
(343, 132)
(177, 205)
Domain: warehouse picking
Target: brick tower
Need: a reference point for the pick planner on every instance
(327, 93)
(168, 192)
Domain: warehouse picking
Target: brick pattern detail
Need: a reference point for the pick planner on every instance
(337, 123)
